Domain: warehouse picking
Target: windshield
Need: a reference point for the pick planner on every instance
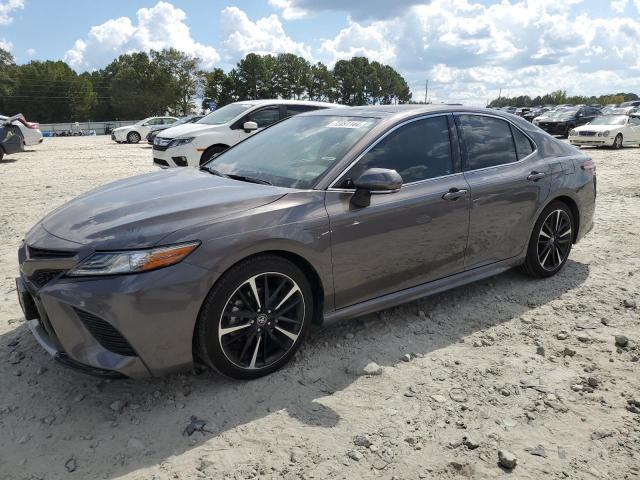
(294, 153)
(225, 114)
(610, 120)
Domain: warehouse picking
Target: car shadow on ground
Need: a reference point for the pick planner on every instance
(81, 417)
(8, 160)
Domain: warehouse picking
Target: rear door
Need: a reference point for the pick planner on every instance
(408, 237)
(508, 182)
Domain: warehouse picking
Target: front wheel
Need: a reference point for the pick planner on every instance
(617, 143)
(133, 137)
(550, 242)
(211, 152)
(255, 318)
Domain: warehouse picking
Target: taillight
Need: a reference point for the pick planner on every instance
(589, 166)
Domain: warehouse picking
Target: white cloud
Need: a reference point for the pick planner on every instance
(7, 7)
(158, 27)
(356, 9)
(31, 52)
(469, 50)
(618, 6)
(265, 35)
(289, 10)
(6, 44)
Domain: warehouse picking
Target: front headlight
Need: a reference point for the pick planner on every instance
(606, 133)
(133, 261)
(177, 142)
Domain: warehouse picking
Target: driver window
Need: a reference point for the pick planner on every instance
(264, 117)
(634, 121)
(417, 151)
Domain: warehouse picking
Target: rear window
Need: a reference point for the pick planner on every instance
(488, 141)
(524, 146)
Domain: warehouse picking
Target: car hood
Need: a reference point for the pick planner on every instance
(597, 128)
(139, 211)
(188, 130)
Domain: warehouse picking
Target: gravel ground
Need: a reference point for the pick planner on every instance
(527, 367)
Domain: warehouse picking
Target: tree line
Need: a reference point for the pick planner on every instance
(140, 84)
(560, 97)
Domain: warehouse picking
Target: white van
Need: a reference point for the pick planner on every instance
(196, 143)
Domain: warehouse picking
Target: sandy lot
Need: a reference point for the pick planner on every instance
(509, 363)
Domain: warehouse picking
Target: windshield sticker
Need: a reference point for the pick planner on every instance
(347, 124)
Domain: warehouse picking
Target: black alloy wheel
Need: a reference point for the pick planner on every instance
(255, 317)
(550, 242)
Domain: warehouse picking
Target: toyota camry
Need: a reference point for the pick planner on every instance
(324, 216)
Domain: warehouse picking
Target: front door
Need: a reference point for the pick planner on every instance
(405, 238)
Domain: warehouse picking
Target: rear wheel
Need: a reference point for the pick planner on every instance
(211, 152)
(617, 143)
(255, 317)
(550, 242)
(133, 137)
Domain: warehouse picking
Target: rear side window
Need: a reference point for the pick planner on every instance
(417, 151)
(524, 146)
(488, 141)
(296, 109)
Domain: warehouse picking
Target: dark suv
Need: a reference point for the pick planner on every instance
(567, 119)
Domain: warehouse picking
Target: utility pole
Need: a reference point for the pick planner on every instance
(500, 94)
(426, 92)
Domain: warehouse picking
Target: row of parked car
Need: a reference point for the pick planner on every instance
(595, 125)
(16, 133)
(194, 140)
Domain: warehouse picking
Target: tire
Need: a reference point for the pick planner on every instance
(133, 137)
(210, 152)
(263, 342)
(550, 241)
(1, 154)
(617, 143)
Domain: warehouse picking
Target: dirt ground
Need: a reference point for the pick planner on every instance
(512, 364)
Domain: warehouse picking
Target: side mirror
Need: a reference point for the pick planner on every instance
(250, 126)
(145, 124)
(375, 180)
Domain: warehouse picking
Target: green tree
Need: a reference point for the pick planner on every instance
(182, 79)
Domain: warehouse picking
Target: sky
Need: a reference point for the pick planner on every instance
(467, 49)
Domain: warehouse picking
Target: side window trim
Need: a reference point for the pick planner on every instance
(463, 146)
(340, 176)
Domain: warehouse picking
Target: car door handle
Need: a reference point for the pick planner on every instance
(454, 194)
(535, 176)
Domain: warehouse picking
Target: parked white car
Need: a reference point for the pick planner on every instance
(139, 130)
(30, 130)
(608, 130)
(194, 144)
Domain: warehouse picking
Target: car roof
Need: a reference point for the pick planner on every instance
(394, 112)
(290, 102)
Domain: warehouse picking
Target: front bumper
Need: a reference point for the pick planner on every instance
(591, 141)
(136, 325)
(182, 156)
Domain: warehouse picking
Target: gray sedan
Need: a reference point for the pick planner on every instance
(322, 217)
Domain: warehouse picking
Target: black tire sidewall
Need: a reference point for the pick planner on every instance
(532, 261)
(210, 152)
(133, 135)
(209, 348)
(615, 142)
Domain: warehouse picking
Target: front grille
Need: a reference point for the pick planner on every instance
(587, 134)
(159, 147)
(159, 161)
(41, 277)
(45, 253)
(106, 334)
